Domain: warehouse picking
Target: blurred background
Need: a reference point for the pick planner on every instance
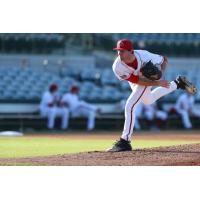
(29, 63)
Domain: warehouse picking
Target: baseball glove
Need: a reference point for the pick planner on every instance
(150, 71)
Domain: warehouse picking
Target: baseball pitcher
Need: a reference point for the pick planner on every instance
(142, 70)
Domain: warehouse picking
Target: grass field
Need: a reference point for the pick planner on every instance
(29, 146)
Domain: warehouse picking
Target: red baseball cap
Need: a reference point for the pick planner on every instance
(74, 89)
(124, 45)
(53, 87)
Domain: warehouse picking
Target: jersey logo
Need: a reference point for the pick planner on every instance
(124, 77)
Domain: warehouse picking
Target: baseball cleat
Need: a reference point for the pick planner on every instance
(184, 84)
(121, 145)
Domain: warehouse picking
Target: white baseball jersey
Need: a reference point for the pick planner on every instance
(185, 102)
(72, 100)
(48, 98)
(123, 71)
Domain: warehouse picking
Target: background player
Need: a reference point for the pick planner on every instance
(79, 108)
(185, 107)
(127, 67)
(155, 118)
(49, 107)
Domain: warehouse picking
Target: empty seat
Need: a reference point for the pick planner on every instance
(124, 85)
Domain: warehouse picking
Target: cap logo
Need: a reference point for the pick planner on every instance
(121, 44)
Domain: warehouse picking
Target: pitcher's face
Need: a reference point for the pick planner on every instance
(124, 55)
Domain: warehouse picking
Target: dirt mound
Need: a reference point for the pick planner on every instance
(182, 155)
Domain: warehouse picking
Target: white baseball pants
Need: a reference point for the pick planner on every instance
(86, 110)
(52, 112)
(145, 95)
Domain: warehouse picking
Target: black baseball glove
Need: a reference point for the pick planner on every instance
(150, 71)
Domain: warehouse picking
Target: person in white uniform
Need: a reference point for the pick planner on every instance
(154, 116)
(185, 107)
(79, 108)
(126, 67)
(49, 107)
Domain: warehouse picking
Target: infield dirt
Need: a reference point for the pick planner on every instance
(180, 155)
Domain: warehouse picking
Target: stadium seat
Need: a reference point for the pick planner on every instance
(124, 85)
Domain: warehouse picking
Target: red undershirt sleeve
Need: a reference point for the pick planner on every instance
(133, 79)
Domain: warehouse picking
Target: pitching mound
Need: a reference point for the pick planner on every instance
(181, 155)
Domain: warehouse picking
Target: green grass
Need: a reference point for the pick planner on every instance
(18, 164)
(13, 147)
